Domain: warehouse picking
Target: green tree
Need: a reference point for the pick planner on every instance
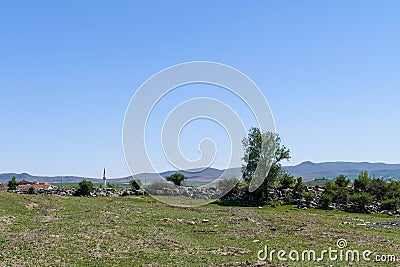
(362, 183)
(228, 185)
(300, 185)
(325, 200)
(392, 190)
(135, 184)
(263, 153)
(84, 188)
(13, 184)
(336, 191)
(331, 187)
(31, 190)
(110, 185)
(361, 200)
(287, 181)
(252, 151)
(308, 196)
(177, 178)
(378, 188)
(341, 181)
(391, 204)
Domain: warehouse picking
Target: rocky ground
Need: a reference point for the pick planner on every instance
(53, 230)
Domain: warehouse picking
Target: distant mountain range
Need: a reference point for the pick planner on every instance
(308, 170)
(311, 170)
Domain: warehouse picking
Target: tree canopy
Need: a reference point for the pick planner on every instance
(263, 153)
(84, 188)
(177, 178)
(12, 184)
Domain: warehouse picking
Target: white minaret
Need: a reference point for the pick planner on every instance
(104, 178)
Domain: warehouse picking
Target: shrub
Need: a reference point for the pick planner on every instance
(393, 189)
(361, 199)
(135, 184)
(287, 181)
(325, 200)
(229, 185)
(362, 183)
(84, 188)
(338, 190)
(176, 178)
(31, 190)
(12, 184)
(112, 186)
(308, 196)
(390, 204)
(378, 188)
(341, 181)
(341, 196)
(300, 186)
(331, 187)
(288, 198)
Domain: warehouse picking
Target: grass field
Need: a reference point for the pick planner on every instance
(136, 231)
(317, 182)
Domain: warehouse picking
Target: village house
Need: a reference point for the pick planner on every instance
(3, 187)
(25, 185)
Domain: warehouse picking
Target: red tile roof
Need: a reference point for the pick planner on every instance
(3, 187)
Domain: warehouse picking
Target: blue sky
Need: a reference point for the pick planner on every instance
(329, 70)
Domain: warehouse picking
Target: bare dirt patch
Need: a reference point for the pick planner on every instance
(229, 251)
(31, 205)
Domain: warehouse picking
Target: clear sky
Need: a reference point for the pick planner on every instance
(330, 71)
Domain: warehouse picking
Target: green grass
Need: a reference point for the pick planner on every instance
(319, 182)
(135, 231)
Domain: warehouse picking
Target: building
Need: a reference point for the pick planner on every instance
(25, 185)
(3, 187)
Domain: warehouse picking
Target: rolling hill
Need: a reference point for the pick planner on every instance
(308, 170)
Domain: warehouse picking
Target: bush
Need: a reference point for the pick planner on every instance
(393, 190)
(341, 181)
(378, 188)
(31, 190)
(135, 184)
(362, 183)
(341, 196)
(331, 187)
(288, 198)
(308, 196)
(390, 204)
(176, 178)
(112, 186)
(325, 200)
(361, 199)
(287, 181)
(229, 185)
(84, 188)
(299, 187)
(338, 190)
(12, 184)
